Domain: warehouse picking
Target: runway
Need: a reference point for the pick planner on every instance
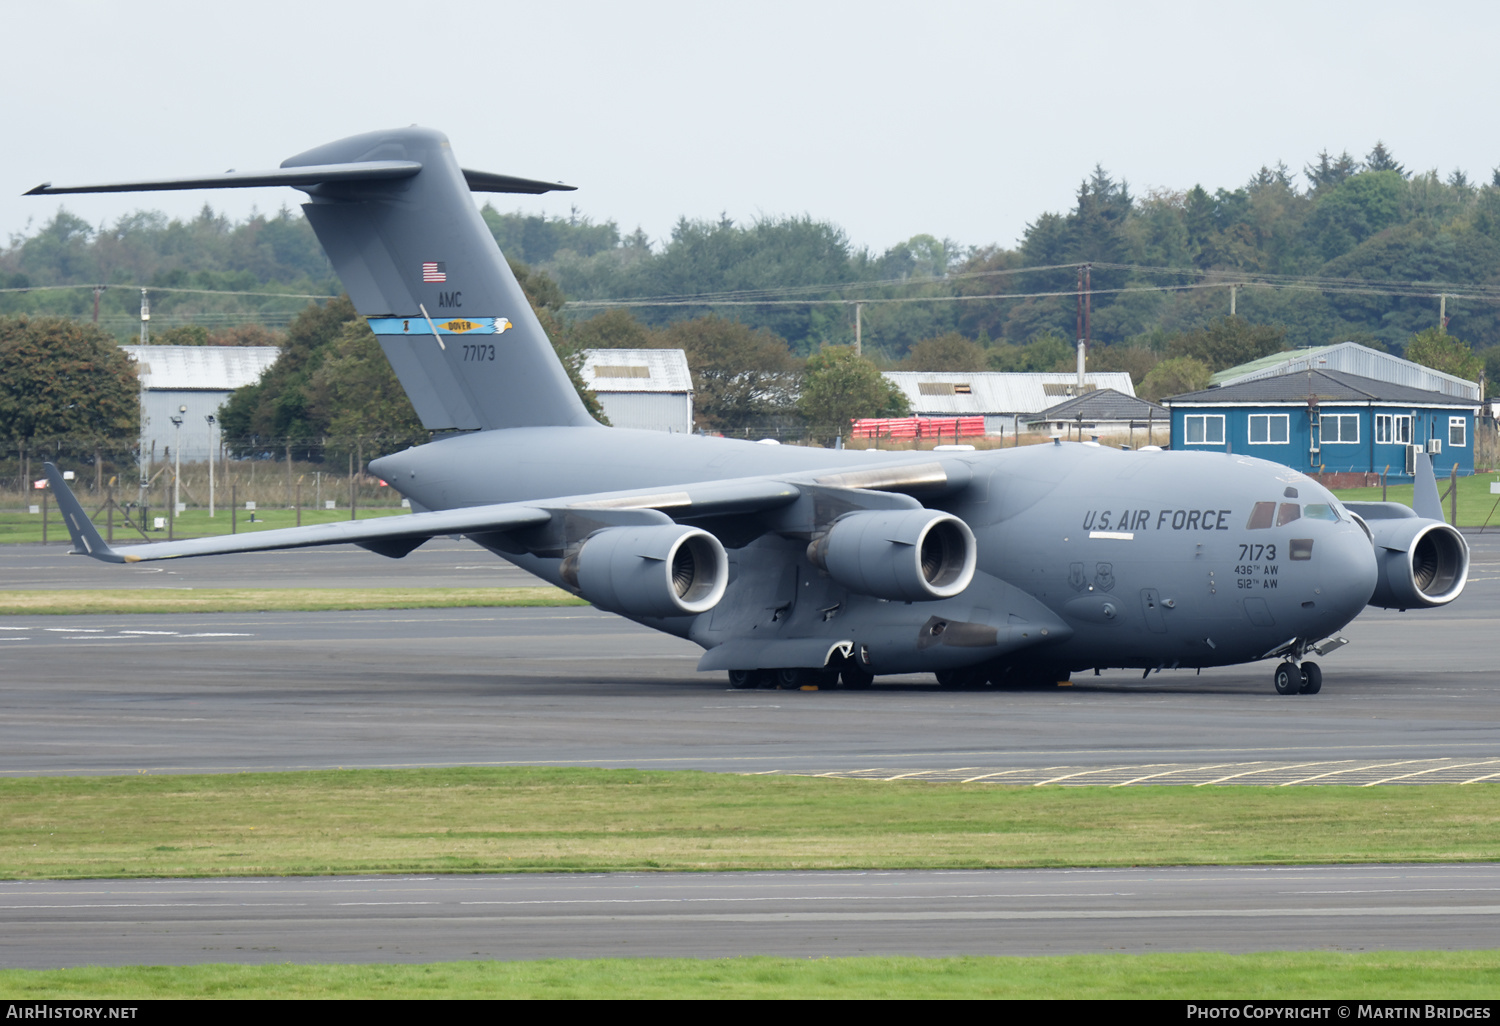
(1412, 696)
(573, 686)
(703, 915)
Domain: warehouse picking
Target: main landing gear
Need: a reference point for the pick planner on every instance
(1290, 679)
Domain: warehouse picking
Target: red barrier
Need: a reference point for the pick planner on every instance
(918, 427)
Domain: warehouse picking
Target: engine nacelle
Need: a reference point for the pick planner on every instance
(1422, 563)
(908, 555)
(662, 570)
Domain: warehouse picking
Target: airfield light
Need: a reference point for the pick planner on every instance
(211, 455)
(177, 463)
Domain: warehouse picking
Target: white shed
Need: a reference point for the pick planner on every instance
(642, 388)
(198, 377)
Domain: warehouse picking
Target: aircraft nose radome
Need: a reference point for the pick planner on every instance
(1350, 575)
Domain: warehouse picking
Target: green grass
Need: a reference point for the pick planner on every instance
(1363, 976)
(1475, 502)
(272, 600)
(17, 526)
(508, 819)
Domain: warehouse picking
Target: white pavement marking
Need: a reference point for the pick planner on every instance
(1080, 773)
(1175, 770)
(1004, 773)
(1434, 769)
(1349, 769)
(1251, 773)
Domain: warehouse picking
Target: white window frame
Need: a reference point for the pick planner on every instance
(1392, 429)
(1462, 424)
(1204, 419)
(1269, 418)
(1324, 418)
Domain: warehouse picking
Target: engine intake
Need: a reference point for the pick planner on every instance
(1422, 563)
(909, 555)
(664, 570)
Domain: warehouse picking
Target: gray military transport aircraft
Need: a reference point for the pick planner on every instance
(793, 565)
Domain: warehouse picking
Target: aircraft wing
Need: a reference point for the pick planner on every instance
(398, 535)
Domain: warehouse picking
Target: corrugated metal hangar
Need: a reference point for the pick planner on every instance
(642, 388)
(199, 378)
(1001, 398)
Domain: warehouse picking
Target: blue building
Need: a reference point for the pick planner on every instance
(1329, 422)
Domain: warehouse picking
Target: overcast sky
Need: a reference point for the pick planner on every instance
(963, 120)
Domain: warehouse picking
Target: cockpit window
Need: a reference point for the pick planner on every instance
(1289, 511)
(1319, 511)
(1260, 516)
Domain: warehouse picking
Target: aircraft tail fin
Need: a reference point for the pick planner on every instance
(1425, 499)
(81, 529)
(394, 212)
(422, 267)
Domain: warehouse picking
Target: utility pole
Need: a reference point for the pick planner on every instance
(1078, 329)
(857, 308)
(1231, 299)
(98, 291)
(1088, 302)
(1443, 312)
(145, 319)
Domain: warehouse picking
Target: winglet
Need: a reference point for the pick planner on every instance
(85, 535)
(1425, 499)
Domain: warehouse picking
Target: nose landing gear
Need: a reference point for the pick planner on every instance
(1290, 679)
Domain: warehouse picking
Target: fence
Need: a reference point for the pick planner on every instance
(105, 470)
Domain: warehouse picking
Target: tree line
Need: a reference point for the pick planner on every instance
(1367, 219)
(1343, 218)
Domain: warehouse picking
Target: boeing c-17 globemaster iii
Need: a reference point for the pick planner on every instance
(793, 565)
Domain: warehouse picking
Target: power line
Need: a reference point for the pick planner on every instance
(789, 295)
(1486, 297)
(159, 288)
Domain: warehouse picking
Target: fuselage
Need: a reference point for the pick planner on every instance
(1087, 556)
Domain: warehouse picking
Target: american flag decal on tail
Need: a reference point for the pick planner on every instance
(434, 270)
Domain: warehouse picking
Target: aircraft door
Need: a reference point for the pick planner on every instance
(1151, 606)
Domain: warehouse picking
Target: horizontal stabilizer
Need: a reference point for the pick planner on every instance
(361, 171)
(322, 174)
(483, 181)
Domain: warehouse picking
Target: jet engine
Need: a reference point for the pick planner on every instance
(1422, 562)
(909, 555)
(662, 570)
